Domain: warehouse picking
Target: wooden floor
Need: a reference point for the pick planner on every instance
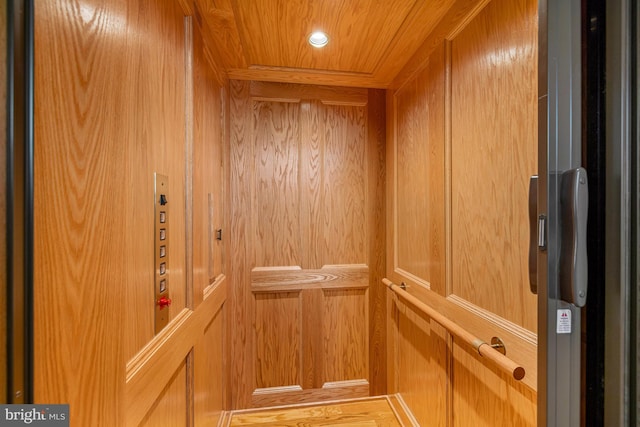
(377, 411)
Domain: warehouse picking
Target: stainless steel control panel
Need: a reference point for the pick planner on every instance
(161, 251)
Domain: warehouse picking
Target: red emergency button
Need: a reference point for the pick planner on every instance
(164, 302)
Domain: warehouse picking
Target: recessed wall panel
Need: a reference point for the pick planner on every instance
(275, 192)
(171, 407)
(345, 335)
(344, 185)
(419, 203)
(493, 154)
(278, 339)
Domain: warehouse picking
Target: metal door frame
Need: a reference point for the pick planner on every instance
(559, 149)
(619, 124)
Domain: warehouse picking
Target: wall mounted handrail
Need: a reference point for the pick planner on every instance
(484, 349)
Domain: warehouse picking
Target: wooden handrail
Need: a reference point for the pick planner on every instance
(484, 349)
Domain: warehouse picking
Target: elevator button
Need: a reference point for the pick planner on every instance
(163, 217)
(163, 199)
(163, 234)
(163, 268)
(163, 251)
(164, 302)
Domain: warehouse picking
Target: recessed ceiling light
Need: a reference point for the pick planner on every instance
(318, 39)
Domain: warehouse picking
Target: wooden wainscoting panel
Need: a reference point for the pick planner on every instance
(278, 339)
(312, 344)
(170, 408)
(419, 203)
(209, 376)
(494, 152)
(345, 332)
(485, 396)
(150, 370)
(422, 366)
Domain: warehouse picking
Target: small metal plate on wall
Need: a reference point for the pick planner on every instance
(161, 251)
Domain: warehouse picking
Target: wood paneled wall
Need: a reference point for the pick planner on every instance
(462, 146)
(124, 90)
(307, 188)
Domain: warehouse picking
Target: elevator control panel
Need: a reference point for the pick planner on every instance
(161, 251)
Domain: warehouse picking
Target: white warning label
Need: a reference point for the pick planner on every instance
(563, 325)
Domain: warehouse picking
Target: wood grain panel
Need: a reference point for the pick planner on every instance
(344, 185)
(313, 360)
(276, 189)
(208, 168)
(150, 370)
(294, 278)
(494, 151)
(80, 174)
(218, 23)
(171, 407)
(412, 183)
(481, 87)
(420, 203)
(483, 396)
(456, 16)
(520, 343)
(311, 178)
(345, 335)
(370, 42)
(209, 372)
(422, 366)
(278, 339)
(107, 117)
(303, 165)
(240, 143)
(155, 89)
(283, 34)
(376, 199)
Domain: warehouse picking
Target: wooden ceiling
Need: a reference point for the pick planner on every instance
(370, 40)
